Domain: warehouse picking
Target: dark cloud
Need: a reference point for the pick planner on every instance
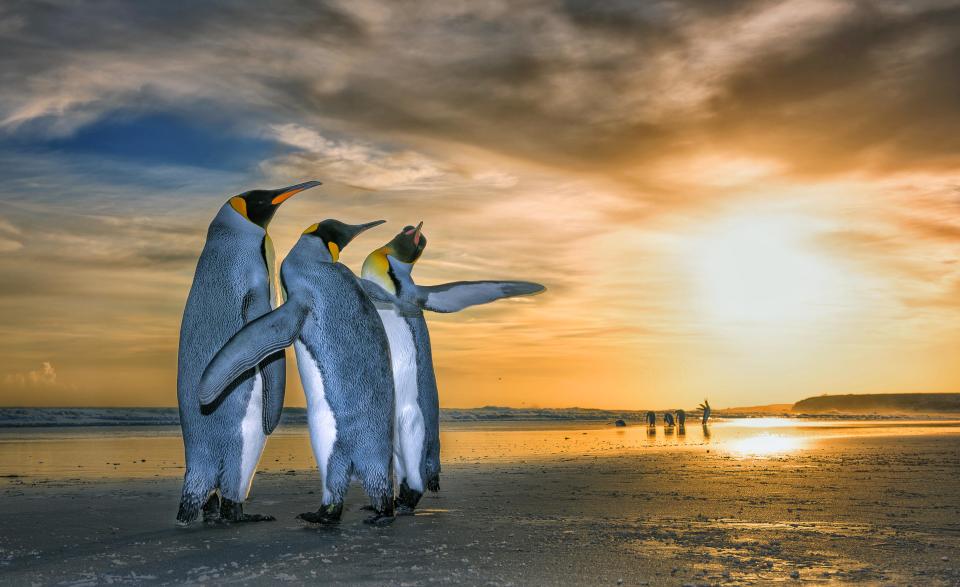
(574, 83)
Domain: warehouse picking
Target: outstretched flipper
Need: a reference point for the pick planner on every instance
(453, 297)
(255, 341)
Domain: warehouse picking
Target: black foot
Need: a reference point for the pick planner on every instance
(327, 514)
(379, 519)
(211, 510)
(433, 483)
(407, 499)
(232, 512)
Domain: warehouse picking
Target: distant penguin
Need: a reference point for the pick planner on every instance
(417, 424)
(344, 360)
(233, 285)
(667, 420)
(651, 419)
(681, 418)
(705, 407)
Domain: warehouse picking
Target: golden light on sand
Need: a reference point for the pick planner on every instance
(765, 445)
(758, 269)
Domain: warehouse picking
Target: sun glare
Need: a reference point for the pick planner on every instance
(765, 445)
(761, 269)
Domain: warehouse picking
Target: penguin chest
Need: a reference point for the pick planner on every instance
(408, 419)
(252, 435)
(320, 417)
(403, 356)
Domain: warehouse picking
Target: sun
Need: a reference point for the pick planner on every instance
(756, 269)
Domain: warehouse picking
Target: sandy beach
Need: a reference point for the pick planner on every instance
(849, 503)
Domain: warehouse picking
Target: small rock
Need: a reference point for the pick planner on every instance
(619, 581)
(795, 574)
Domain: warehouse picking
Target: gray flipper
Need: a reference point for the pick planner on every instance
(255, 341)
(453, 297)
(274, 372)
(380, 295)
(273, 369)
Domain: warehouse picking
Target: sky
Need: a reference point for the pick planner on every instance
(749, 201)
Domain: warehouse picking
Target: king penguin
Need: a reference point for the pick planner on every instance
(233, 285)
(417, 410)
(344, 361)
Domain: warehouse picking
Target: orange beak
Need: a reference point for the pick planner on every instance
(287, 193)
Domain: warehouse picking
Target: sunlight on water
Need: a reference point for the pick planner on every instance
(766, 445)
(766, 422)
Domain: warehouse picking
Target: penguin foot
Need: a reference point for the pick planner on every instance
(407, 499)
(255, 518)
(380, 519)
(433, 483)
(232, 512)
(327, 514)
(211, 510)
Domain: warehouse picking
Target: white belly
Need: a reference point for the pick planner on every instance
(323, 426)
(253, 436)
(408, 430)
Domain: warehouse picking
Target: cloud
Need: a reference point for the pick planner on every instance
(9, 241)
(44, 377)
(570, 84)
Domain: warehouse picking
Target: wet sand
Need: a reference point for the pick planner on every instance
(738, 508)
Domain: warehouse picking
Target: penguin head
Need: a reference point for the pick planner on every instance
(408, 245)
(336, 235)
(406, 248)
(259, 206)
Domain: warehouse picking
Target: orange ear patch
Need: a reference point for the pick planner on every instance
(240, 205)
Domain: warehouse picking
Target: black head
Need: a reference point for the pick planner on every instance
(408, 245)
(259, 206)
(336, 235)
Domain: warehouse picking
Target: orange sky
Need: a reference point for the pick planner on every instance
(752, 202)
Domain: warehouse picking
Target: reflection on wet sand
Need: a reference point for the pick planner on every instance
(158, 452)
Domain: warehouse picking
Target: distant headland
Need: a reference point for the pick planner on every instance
(880, 403)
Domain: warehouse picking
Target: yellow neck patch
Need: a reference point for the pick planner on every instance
(376, 268)
(334, 251)
(240, 205)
